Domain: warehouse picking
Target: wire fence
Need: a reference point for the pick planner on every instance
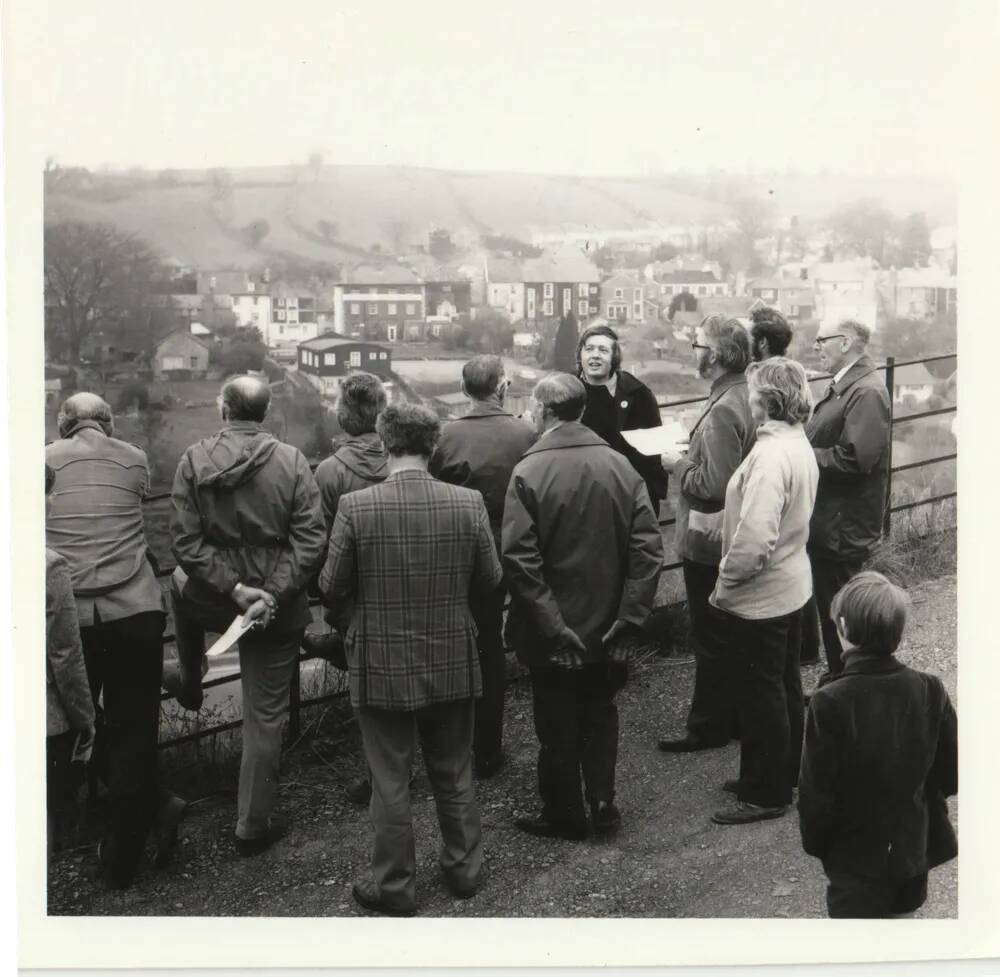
(889, 368)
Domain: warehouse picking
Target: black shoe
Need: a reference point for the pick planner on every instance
(367, 896)
(490, 767)
(114, 875)
(462, 890)
(542, 827)
(359, 792)
(605, 816)
(731, 786)
(745, 813)
(809, 661)
(276, 830)
(168, 818)
(688, 744)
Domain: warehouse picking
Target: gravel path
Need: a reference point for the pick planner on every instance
(667, 860)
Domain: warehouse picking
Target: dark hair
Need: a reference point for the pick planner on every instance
(247, 398)
(481, 376)
(874, 612)
(732, 344)
(771, 325)
(362, 397)
(563, 394)
(616, 350)
(50, 478)
(783, 388)
(408, 429)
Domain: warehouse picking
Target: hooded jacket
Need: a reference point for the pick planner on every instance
(581, 547)
(247, 510)
(356, 464)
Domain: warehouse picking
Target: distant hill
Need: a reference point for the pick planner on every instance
(390, 206)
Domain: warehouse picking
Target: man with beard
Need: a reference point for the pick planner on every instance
(849, 432)
(616, 402)
(582, 553)
(720, 439)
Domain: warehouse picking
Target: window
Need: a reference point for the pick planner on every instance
(372, 355)
(392, 308)
(637, 310)
(329, 359)
(411, 308)
(594, 289)
(355, 308)
(619, 293)
(194, 362)
(582, 289)
(383, 356)
(550, 290)
(390, 333)
(582, 307)
(666, 289)
(702, 290)
(355, 357)
(281, 330)
(636, 294)
(373, 308)
(548, 308)
(280, 315)
(718, 289)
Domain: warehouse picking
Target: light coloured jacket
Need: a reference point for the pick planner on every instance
(67, 692)
(764, 571)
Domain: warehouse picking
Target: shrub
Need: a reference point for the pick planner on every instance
(133, 394)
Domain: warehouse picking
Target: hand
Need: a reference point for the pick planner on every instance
(244, 596)
(87, 734)
(259, 612)
(570, 652)
(670, 458)
(615, 628)
(616, 651)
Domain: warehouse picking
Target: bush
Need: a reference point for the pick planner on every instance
(133, 394)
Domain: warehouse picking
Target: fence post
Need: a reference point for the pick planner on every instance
(295, 703)
(890, 384)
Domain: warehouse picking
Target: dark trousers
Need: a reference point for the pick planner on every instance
(711, 719)
(124, 660)
(576, 721)
(851, 896)
(445, 733)
(487, 610)
(61, 782)
(765, 657)
(810, 632)
(829, 576)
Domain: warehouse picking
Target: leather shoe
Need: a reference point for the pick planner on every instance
(687, 744)
(367, 895)
(461, 890)
(168, 818)
(276, 830)
(605, 816)
(542, 827)
(745, 813)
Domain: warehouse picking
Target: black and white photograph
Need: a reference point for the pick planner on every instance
(496, 465)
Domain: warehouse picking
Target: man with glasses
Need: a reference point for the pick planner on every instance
(849, 432)
(616, 402)
(720, 439)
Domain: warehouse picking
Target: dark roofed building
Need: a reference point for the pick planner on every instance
(327, 358)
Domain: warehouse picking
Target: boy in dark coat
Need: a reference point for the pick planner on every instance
(880, 757)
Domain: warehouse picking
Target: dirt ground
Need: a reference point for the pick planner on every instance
(667, 860)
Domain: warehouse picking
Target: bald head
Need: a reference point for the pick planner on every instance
(245, 399)
(85, 407)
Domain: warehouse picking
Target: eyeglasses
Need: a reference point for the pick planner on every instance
(825, 339)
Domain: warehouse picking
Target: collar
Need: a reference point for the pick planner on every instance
(870, 663)
(408, 473)
(779, 429)
(569, 434)
(242, 426)
(842, 372)
(861, 367)
(85, 425)
(484, 408)
(721, 384)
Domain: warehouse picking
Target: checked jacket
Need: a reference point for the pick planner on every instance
(402, 560)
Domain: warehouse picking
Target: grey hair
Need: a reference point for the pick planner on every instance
(247, 398)
(731, 341)
(362, 398)
(482, 375)
(85, 406)
(783, 388)
(862, 333)
(563, 394)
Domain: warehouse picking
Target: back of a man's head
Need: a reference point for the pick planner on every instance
(362, 397)
(871, 611)
(85, 407)
(246, 398)
(563, 394)
(482, 375)
(771, 325)
(408, 429)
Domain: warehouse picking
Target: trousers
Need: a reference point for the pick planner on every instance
(829, 575)
(124, 661)
(487, 610)
(851, 896)
(576, 721)
(765, 661)
(267, 662)
(444, 731)
(711, 718)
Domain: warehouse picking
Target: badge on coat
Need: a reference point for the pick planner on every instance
(624, 404)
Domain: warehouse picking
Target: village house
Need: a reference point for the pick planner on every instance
(557, 283)
(700, 284)
(503, 286)
(180, 356)
(384, 303)
(912, 380)
(794, 298)
(919, 293)
(623, 300)
(844, 290)
(325, 359)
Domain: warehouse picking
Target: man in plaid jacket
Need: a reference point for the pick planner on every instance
(403, 558)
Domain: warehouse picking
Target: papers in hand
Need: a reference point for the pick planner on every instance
(657, 440)
(234, 632)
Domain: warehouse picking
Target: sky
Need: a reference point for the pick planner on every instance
(547, 86)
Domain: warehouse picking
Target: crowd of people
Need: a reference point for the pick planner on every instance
(414, 534)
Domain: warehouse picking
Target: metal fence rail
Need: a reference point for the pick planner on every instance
(296, 703)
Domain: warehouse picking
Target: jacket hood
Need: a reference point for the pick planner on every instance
(232, 457)
(569, 434)
(365, 456)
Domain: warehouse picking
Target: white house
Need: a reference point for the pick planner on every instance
(912, 380)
